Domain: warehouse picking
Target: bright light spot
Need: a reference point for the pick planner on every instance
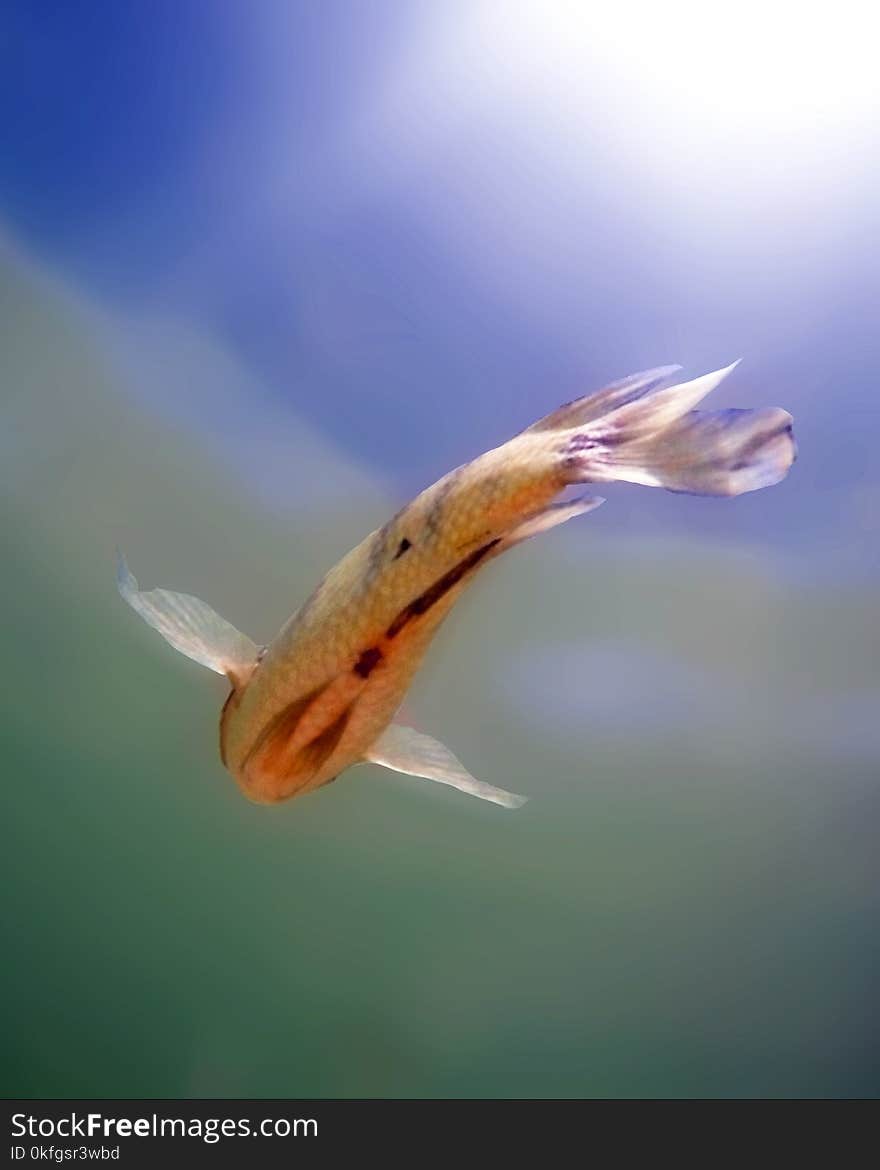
(750, 64)
(564, 147)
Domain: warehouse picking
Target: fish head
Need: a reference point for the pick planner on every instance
(295, 750)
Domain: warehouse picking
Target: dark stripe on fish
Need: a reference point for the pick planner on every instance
(368, 661)
(604, 441)
(579, 442)
(749, 450)
(280, 729)
(315, 754)
(432, 595)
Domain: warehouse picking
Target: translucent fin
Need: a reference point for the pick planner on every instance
(191, 627)
(548, 518)
(655, 410)
(720, 453)
(403, 749)
(659, 440)
(610, 398)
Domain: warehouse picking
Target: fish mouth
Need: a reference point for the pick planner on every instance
(267, 787)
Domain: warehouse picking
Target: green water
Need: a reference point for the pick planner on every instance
(684, 908)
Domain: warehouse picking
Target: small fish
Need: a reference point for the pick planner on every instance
(323, 695)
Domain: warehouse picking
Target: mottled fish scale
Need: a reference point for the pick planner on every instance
(324, 693)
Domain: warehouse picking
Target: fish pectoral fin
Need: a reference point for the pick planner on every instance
(549, 517)
(403, 749)
(191, 627)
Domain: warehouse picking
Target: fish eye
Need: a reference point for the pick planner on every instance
(402, 548)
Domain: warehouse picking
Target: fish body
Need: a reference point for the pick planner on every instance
(322, 696)
(337, 672)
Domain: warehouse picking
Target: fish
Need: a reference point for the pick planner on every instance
(325, 693)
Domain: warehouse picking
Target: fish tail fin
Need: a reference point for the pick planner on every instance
(191, 626)
(658, 440)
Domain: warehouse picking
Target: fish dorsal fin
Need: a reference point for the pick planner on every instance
(191, 627)
(403, 749)
(609, 398)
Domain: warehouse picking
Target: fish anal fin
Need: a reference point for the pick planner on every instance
(403, 749)
(548, 518)
(192, 627)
